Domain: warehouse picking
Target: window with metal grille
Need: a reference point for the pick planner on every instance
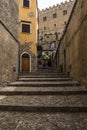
(26, 3)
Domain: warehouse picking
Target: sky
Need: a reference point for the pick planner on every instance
(42, 4)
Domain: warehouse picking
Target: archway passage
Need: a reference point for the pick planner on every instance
(25, 63)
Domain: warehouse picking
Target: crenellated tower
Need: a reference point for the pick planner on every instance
(53, 20)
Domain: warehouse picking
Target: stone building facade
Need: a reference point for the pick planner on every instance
(52, 22)
(8, 40)
(72, 50)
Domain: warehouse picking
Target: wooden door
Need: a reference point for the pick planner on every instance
(25, 63)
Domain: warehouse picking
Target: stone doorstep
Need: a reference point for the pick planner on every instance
(43, 109)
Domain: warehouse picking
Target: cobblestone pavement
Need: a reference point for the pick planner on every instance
(37, 121)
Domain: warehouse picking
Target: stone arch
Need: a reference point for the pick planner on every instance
(25, 62)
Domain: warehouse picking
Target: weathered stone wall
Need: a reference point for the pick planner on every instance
(8, 56)
(73, 46)
(25, 48)
(9, 15)
(8, 40)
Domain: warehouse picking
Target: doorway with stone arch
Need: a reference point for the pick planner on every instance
(25, 62)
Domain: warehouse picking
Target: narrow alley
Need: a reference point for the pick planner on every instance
(43, 65)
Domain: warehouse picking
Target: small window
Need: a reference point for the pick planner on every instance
(65, 12)
(44, 28)
(54, 15)
(26, 3)
(54, 25)
(65, 23)
(26, 27)
(45, 18)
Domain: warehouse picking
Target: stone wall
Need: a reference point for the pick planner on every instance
(8, 41)
(25, 48)
(9, 15)
(72, 50)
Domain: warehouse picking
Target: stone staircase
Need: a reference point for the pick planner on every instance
(45, 92)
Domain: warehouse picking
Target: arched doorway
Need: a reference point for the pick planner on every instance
(25, 62)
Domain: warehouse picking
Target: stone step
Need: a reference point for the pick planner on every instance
(43, 90)
(44, 83)
(43, 72)
(45, 100)
(51, 70)
(44, 79)
(43, 76)
(42, 109)
(44, 103)
(47, 73)
(48, 69)
(63, 88)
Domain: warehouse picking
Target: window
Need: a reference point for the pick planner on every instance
(45, 18)
(54, 25)
(44, 28)
(65, 12)
(26, 3)
(65, 23)
(26, 27)
(54, 15)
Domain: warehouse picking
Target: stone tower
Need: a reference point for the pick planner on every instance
(52, 22)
